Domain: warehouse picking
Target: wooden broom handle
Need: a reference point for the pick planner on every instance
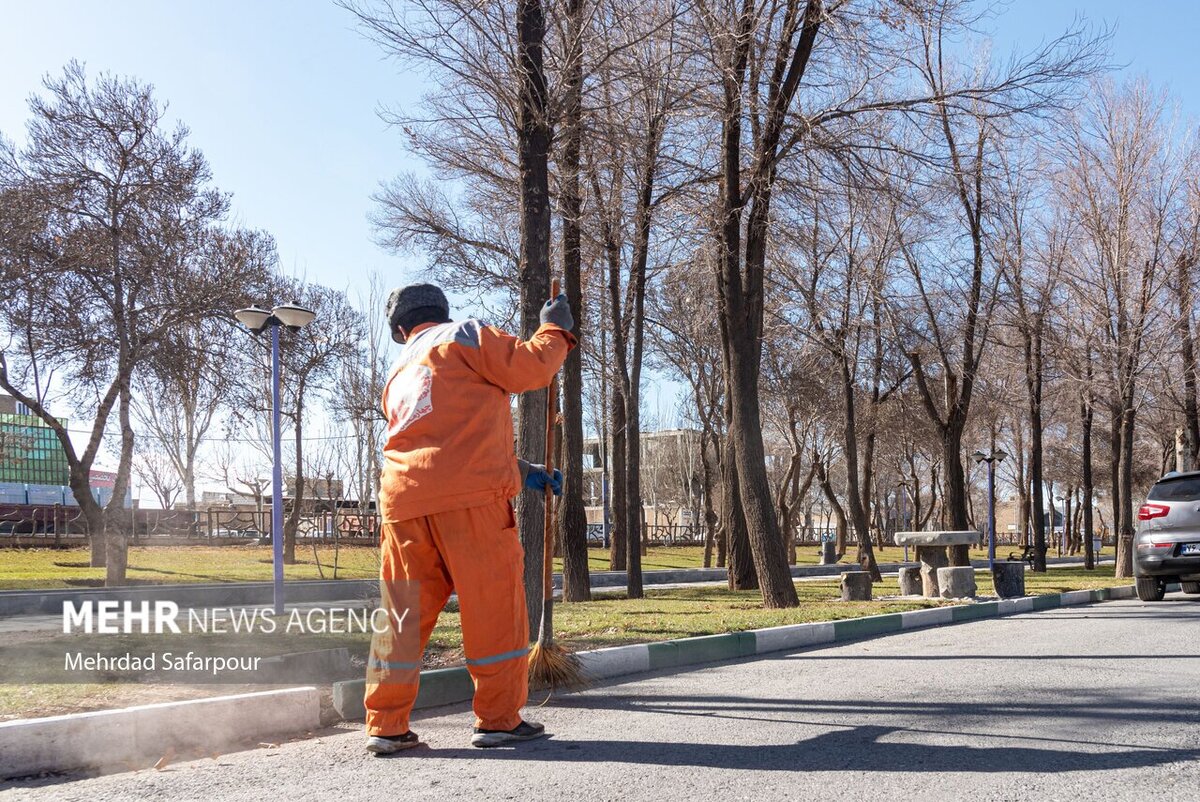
(548, 529)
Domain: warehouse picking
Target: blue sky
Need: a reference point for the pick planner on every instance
(282, 97)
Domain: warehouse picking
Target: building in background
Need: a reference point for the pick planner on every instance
(29, 449)
(670, 478)
(33, 465)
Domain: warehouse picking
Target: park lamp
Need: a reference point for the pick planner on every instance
(293, 318)
(290, 316)
(995, 456)
(992, 459)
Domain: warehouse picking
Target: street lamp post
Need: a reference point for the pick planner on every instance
(257, 320)
(1061, 536)
(991, 459)
(902, 486)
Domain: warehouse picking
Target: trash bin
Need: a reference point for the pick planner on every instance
(828, 552)
(1097, 544)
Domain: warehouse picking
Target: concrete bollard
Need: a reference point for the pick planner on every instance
(910, 580)
(957, 582)
(856, 586)
(1009, 579)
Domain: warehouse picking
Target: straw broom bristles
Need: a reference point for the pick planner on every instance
(552, 666)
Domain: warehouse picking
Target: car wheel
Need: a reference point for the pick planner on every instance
(1150, 588)
(1190, 587)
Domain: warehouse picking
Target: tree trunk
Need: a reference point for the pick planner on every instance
(572, 521)
(80, 483)
(1086, 415)
(633, 499)
(710, 514)
(954, 499)
(766, 546)
(1124, 566)
(618, 543)
(1114, 440)
(533, 148)
(1033, 386)
(293, 520)
(854, 492)
(737, 540)
(116, 552)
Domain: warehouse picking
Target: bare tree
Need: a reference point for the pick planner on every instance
(1125, 181)
(157, 471)
(187, 382)
(104, 207)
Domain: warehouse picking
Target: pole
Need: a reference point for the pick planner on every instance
(604, 508)
(276, 475)
(904, 514)
(992, 515)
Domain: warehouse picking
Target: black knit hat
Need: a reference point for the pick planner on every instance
(404, 300)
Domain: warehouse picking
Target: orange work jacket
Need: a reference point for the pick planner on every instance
(449, 442)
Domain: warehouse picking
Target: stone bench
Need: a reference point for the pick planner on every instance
(931, 553)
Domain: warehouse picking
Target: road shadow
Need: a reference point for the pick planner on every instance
(1116, 707)
(858, 748)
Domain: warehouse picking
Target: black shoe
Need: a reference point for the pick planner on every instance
(525, 731)
(387, 744)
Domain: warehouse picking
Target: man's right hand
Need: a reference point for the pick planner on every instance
(539, 478)
(558, 312)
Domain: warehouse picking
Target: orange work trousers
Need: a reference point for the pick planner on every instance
(475, 553)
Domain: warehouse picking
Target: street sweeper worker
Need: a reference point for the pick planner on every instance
(445, 503)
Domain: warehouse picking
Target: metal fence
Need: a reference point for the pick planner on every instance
(56, 523)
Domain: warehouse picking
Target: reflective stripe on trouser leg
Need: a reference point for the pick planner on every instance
(484, 558)
(413, 577)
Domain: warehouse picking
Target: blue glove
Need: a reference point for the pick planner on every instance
(538, 478)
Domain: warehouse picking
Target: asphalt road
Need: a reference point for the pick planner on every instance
(1096, 702)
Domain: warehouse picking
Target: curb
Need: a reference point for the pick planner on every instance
(445, 686)
(135, 737)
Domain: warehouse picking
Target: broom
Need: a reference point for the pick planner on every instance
(550, 665)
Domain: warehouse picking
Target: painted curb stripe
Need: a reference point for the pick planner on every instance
(1048, 602)
(850, 628)
(704, 649)
(443, 686)
(972, 612)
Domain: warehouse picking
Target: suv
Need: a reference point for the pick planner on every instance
(1167, 544)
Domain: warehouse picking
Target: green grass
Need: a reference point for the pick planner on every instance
(68, 568)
